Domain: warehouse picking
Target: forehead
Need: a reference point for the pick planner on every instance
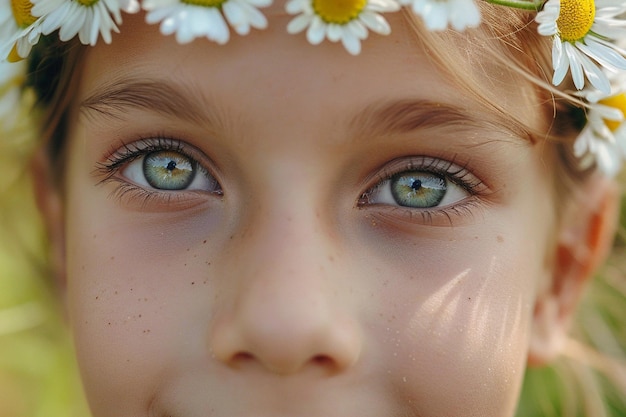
(272, 64)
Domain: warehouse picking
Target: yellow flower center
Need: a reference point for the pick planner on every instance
(338, 11)
(205, 3)
(575, 19)
(618, 102)
(21, 13)
(87, 3)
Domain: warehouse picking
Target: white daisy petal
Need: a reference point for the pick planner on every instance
(376, 23)
(575, 66)
(357, 29)
(608, 56)
(236, 17)
(595, 75)
(334, 33)
(560, 62)
(440, 14)
(316, 32)
(191, 21)
(255, 18)
(351, 26)
(294, 7)
(299, 23)
(351, 43)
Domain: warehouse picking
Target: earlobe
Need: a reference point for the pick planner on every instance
(584, 239)
(50, 203)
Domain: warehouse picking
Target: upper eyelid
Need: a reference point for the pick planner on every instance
(129, 151)
(126, 152)
(460, 174)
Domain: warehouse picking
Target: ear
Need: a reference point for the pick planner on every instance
(583, 241)
(50, 203)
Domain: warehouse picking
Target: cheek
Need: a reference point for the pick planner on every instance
(131, 282)
(132, 307)
(457, 314)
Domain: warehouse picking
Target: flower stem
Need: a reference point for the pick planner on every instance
(520, 4)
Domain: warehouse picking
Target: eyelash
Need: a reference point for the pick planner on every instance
(460, 175)
(126, 153)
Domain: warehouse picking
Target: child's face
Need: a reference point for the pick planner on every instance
(286, 278)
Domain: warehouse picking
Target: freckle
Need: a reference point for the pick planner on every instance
(208, 263)
(331, 258)
(95, 236)
(115, 293)
(185, 265)
(469, 298)
(82, 268)
(205, 281)
(97, 297)
(109, 323)
(112, 258)
(500, 239)
(204, 242)
(139, 316)
(195, 256)
(476, 237)
(188, 249)
(193, 283)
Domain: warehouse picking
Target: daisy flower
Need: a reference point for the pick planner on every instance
(581, 31)
(347, 21)
(438, 14)
(85, 18)
(191, 19)
(19, 29)
(603, 139)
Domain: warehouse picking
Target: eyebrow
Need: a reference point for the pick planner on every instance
(408, 115)
(166, 98)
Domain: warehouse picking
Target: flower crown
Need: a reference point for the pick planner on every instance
(585, 36)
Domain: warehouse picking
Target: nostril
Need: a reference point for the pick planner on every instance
(242, 357)
(324, 361)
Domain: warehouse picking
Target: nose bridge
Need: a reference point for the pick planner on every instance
(287, 311)
(289, 233)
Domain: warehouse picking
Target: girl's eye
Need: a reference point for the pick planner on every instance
(169, 170)
(416, 189)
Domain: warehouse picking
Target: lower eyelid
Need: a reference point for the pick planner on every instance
(464, 213)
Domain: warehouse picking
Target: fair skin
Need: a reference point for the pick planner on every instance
(295, 287)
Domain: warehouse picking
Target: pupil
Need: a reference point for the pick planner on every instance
(416, 185)
(171, 165)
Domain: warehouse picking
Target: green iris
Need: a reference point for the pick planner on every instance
(167, 170)
(418, 189)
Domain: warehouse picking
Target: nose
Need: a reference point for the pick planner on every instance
(288, 311)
